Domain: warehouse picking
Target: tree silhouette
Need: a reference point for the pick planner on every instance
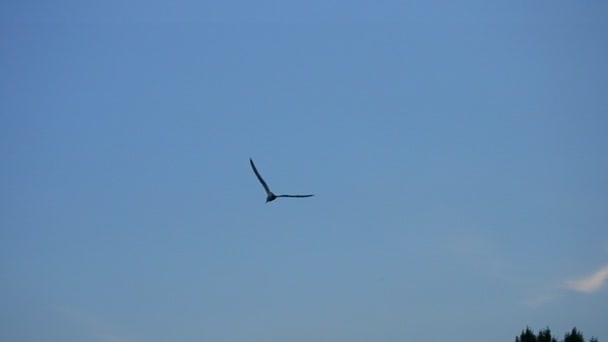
(528, 335)
(574, 336)
(545, 336)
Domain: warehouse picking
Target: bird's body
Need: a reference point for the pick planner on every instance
(270, 196)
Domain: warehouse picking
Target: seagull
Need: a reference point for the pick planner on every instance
(270, 196)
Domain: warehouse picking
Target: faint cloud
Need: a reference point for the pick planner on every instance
(591, 283)
(97, 328)
(468, 245)
(482, 254)
(539, 301)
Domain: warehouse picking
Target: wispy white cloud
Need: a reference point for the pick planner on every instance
(591, 283)
(588, 284)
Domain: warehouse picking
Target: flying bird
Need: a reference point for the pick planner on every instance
(270, 196)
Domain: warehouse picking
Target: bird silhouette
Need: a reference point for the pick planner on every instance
(270, 196)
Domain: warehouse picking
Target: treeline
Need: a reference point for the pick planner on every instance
(545, 335)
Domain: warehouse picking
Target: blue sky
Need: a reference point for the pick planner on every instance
(458, 153)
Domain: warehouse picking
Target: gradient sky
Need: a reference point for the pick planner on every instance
(458, 152)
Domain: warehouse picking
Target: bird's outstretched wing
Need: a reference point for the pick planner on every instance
(298, 196)
(259, 177)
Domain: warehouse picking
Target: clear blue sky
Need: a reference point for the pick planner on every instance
(458, 152)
